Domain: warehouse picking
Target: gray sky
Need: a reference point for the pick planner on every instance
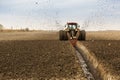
(53, 14)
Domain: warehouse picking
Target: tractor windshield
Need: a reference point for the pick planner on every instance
(72, 26)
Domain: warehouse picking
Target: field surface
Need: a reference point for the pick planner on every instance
(40, 55)
(108, 54)
(106, 47)
(103, 35)
(39, 60)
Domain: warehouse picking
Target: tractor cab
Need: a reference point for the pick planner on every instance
(72, 26)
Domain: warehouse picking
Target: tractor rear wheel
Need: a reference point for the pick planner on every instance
(63, 35)
(83, 35)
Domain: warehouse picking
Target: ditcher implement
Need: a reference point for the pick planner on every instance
(72, 32)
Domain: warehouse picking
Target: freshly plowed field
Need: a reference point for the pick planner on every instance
(39, 60)
(108, 54)
(39, 55)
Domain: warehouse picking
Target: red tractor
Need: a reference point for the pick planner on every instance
(72, 31)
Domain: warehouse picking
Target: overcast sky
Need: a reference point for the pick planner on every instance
(53, 14)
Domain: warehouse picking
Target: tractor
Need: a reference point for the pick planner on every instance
(72, 31)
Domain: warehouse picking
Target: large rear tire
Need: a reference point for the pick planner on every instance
(63, 35)
(82, 35)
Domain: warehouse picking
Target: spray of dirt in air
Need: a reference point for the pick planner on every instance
(50, 14)
(103, 14)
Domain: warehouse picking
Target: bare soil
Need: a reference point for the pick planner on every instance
(103, 35)
(107, 53)
(39, 55)
(39, 60)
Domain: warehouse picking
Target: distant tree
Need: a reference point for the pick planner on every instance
(1, 26)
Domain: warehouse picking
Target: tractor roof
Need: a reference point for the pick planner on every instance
(72, 23)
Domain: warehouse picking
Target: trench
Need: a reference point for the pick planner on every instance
(88, 70)
(84, 66)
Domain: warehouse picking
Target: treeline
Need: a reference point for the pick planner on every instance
(2, 29)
